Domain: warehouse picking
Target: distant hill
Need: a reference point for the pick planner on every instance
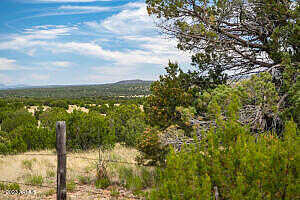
(136, 81)
(4, 87)
(121, 88)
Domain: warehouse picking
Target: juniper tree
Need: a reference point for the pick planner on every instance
(239, 36)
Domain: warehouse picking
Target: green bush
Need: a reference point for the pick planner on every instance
(51, 116)
(102, 183)
(172, 90)
(26, 138)
(236, 163)
(138, 179)
(126, 122)
(36, 138)
(17, 118)
(153, 152)
(88, 130)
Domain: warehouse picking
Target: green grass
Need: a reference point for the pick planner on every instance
(49, 192)
(71, 186)
(136, 179)
(102, 183)
(34, 180)
(85, 180)
(27, 164)
(50, 173)
(114, 192)
(11, 186)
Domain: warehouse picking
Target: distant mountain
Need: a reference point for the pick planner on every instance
(135, 81)
(4, 87)
(127, 88)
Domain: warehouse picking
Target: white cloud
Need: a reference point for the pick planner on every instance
(85, 8)
(61, 63)
(11, 64)
(131, 21)
(93, 25)
(131, 26)
(48, 32)
(40, 77)
(37, 36)
(7, 64)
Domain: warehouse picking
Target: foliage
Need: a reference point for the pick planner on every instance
(292, 102)
(14, 119)
(102, 183)
(26, 138)
(59, 104)
(138, 179)
(235, 163)
(50, 117)
(237, 36)
(127, 123)
(35, 138)
(88, 130)
(20, 130)
(173, 89)
(104, 90)
(152, 150)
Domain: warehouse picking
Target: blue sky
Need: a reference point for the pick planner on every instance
(46, 42)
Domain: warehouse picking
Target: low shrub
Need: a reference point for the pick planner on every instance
(153, 152)
(34, 179)
(136, 179)
(17, 118)
(70, 186)
(234, 164)
(102, 183)
(10, 186)
(85, 180)
(26, 138)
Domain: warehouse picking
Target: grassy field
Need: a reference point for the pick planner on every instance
(81, 174)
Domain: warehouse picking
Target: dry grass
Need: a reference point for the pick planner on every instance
(19, 168)
(14, 167)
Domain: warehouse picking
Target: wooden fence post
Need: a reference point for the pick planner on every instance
(61, 192)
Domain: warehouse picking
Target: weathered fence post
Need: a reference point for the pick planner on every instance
(61, 192)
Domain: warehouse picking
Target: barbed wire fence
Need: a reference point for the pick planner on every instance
(61, 190)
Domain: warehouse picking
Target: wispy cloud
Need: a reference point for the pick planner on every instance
(40, 77)
(132, 20)
(85, 8)
(11, 64)
(125, 44)
(7, 64)
(61, 64)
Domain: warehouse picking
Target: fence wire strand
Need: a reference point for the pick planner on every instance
(28, 184)
(74, 190)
